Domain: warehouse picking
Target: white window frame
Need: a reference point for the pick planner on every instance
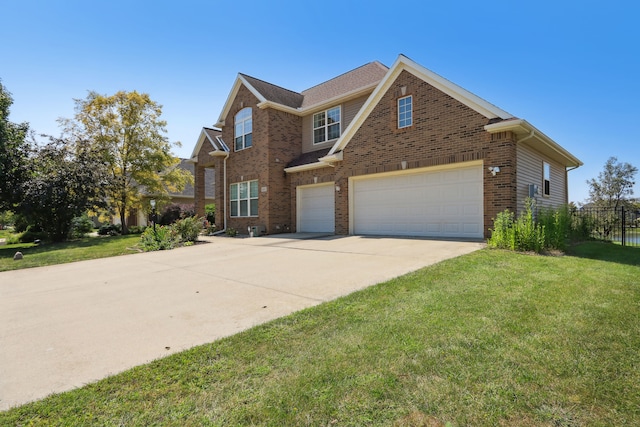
(243, 128)
(405, 116)
(546, 179)
(326, 125)
(250, 199)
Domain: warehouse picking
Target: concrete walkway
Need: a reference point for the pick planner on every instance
(67, 325)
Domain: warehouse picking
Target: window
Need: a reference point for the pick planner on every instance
(244, 128)
(405, 112)
(244, 198)
(546, 184)
(326, 125)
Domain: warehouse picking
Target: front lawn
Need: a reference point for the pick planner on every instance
(491, 338)
(58, 253)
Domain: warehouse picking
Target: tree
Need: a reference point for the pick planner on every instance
(65, 181)
(127, 131)
(614, 184)
(13, 154)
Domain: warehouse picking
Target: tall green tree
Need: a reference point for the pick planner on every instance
(614, 184)
(14, 151)
(64, 181)
(127, 131)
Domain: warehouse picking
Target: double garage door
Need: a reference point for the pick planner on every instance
(430, 203)
(440, 203)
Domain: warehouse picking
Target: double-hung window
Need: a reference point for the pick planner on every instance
(405, 112)
(546, 179)
(244, 129)
(244, 198)
(326, 125)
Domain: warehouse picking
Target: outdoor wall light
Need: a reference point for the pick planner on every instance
(337, 188)
(494, 170)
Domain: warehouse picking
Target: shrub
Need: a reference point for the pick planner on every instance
(162, 238)
(173, 212)
(188, 229)
(136, 229)
(210, 213)
(30, 236)
(110, 230)
(80, 226)
(232, 232)
(523, 234)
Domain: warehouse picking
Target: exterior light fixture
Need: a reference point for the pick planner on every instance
(494, 170)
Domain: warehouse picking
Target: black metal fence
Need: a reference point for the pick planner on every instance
(617, 225)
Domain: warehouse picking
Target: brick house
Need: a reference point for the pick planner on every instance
(375, 151)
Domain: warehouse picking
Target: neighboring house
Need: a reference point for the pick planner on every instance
(185, 197)
(375, 151)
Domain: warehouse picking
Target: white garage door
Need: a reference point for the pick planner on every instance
(443, 203)
(316, 209)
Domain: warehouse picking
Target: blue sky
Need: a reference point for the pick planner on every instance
(571, 68)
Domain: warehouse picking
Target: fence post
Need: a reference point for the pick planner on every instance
(624, 226)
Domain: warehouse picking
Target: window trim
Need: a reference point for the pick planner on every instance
(546, 179)
(410, 118)
(243, 122)
(326, 125)
(247, 199)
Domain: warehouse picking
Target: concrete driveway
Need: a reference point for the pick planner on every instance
(67, 325)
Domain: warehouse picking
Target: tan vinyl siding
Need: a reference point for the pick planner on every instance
(530, 172)
(348, 111)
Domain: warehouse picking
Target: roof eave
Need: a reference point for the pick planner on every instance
(524, 129)
(307, 167)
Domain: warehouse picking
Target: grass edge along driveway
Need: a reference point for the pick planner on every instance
(489, 338)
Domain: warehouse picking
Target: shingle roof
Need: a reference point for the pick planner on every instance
(366, 75)
(275, 93)
(308, 158)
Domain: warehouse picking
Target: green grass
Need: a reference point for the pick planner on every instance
(491, 338)
(58, 253)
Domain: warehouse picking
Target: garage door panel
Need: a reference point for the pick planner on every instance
(316, 209)
(445, 203)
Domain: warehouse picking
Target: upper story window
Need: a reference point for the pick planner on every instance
(244, 198)
(405, 112)
(244, 129)
(546, 179)
(326, 125)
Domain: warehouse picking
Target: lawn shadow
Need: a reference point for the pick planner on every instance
(30, 248)
(606, 251)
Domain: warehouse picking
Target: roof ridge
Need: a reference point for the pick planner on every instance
(269, 83)
(345, 73)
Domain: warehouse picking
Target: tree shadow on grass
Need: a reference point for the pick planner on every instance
(606, 251)
(32, 249)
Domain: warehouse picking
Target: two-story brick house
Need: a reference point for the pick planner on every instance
(377, 150)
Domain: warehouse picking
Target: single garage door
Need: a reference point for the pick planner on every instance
(440, 203)
(316, 213)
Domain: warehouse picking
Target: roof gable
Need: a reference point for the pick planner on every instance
(207, 135)
(405, 64)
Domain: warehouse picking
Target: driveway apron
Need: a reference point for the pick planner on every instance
(68, 325)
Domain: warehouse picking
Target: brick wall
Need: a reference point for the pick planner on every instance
(444, 131)
(276, 140)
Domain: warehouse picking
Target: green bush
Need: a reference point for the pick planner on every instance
(523, 234)
(136, 229)
(80, 226)
(110, 230)
(30, 236)
(210, 213)
(188, 229)
(162, 238)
